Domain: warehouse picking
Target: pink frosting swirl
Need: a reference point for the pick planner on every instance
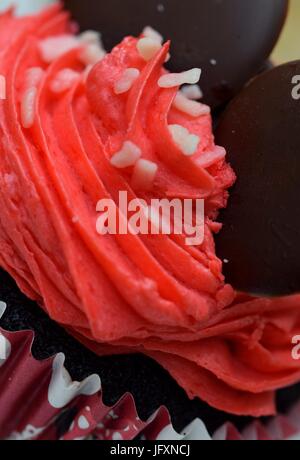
(125, 293)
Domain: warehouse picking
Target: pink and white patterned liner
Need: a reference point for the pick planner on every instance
(35, 395)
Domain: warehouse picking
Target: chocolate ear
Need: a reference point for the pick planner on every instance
(261, 235)
(229, 40)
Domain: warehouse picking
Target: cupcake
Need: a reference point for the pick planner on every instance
(89, 141)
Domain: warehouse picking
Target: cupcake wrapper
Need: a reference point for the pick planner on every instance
(39, 401)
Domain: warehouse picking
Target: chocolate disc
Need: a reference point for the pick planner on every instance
(261, 235)
(229, 40)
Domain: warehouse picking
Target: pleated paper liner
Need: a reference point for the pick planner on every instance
(39, 401)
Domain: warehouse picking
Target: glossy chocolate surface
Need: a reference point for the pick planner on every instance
(261, 236)
(230, 40)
